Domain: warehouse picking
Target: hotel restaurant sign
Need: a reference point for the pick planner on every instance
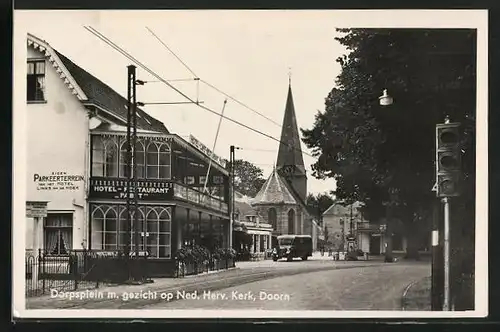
(117, 189)
(200, 146)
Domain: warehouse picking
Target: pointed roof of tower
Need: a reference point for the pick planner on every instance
(274, 191)
(290, 152)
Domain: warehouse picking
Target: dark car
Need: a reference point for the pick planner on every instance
(291, 246)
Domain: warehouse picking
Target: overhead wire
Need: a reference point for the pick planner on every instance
(208, 84)
(213, 148)
(173, 53)
(154, 74)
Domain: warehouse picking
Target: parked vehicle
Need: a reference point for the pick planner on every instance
(291, 246)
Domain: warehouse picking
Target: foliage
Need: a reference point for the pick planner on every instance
(317, 204)
(368, 148)
(194, 254)
(224, 253)
(248, 178)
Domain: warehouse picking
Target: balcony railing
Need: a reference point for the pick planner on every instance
(194, 196)
(368, 227)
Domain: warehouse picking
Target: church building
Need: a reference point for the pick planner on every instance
(281, 200)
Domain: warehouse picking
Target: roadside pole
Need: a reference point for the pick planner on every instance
(437, 259)
(446, 295)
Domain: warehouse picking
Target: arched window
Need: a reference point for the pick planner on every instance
(272, 218)
(291, 221)
(158, 161)
(104, 156)
(105, 219)
(139, 155)
(131, 236)
(158, 221)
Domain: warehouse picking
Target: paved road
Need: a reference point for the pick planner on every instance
(376, 287)
(245, 273)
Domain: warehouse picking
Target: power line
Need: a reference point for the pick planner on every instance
(268, 150)
(152, 73)
(239, 102)
(168, 48)
(210, 85)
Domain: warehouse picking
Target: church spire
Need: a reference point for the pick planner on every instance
(290, 160)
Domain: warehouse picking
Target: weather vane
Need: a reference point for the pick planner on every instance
(290, 75)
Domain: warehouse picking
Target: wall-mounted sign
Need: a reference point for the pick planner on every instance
(36, 209)
(200, 146)
(117, 189)
(58, 181)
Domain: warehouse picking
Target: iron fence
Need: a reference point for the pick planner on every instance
(80, 269)
(192, 268)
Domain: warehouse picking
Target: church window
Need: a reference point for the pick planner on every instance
(272, 217)
(291, 221)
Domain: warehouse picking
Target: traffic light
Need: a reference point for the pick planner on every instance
(448, 159)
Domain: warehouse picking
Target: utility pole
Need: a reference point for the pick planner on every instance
(131, 188)
(231, 194)
(130, 106)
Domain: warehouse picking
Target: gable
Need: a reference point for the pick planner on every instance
(90, 90)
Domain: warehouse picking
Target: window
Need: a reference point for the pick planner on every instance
(218, 179)
(36, 81)
(107, 225)
(189, 180)
(158, 161)
(110, 223)
(158, 227)
(58, 233)
(104, 156)
(203, 178)
(124, 237)
(291, 221)
(272, 218)
(139, 155)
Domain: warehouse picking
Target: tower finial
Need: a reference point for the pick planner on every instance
(289, 75)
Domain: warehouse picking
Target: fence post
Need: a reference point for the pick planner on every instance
(41, 263)
(73, 265)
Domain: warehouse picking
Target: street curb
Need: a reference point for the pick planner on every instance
(209, 273)
(404, 302)
(405, 293)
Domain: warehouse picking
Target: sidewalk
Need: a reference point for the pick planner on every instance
(158, 285)
(417, 296)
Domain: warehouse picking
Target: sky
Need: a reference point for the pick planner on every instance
(249, 55)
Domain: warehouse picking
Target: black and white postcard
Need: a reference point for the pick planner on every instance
(266, 164)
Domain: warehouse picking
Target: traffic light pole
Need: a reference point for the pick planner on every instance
(446, 245)
(437, 259)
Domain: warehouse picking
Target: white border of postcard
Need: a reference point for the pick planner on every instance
(477, 19)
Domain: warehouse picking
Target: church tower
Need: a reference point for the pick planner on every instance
(290, 163)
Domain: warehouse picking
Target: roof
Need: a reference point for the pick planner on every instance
(90, 90)
(104, 96)
(291, 236)
(244, 209)
(330, 210)
(274, 191)
(290, 152)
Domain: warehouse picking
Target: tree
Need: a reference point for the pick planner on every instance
(371, 150)
(248, 178)
(318, 204)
